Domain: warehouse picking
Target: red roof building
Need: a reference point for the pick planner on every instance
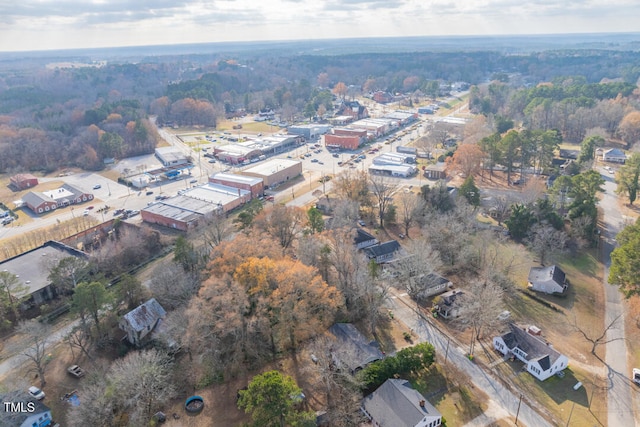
(22, 181)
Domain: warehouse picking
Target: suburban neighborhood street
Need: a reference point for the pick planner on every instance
(620, 386)
(401, 306)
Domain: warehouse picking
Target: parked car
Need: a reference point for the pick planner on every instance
(148, 193)
(86, 212)
(36, 393)
(212, 160)
(193, 181)
(76, 371)
(361, 223)
(97, 187)
(7, 220)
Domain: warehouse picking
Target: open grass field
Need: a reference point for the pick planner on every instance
(586, 406)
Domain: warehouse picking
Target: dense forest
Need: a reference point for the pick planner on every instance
(52, 117)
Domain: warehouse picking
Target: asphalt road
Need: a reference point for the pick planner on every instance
(621, 389)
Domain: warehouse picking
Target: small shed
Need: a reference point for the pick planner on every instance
(436, 171)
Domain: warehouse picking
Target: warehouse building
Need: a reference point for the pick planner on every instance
(275, 171)
(170, 156)
(398, 170)
(252, 184)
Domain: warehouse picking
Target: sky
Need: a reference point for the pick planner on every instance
(67, 24)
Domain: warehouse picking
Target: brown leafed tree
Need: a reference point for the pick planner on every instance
(467, 159)
(410, 206)
(353, 185)
(340, 90)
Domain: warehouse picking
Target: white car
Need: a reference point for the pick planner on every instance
(36, 393)
(636, 375)
(86, 212)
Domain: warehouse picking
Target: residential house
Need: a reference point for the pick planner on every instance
(449, 305)
(351, 349)
(22, 181)
(353, 109)
(541, 359)
(396, 404)
(614, 155)
(139, 322)
(569, 154)
(382, 97)
(432, 284)
(363, 239)
(382, 252)
(30, 413)
(550, 280)
(33, 267)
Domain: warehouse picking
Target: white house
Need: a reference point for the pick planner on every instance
(614, 155)
(540, 358)
(139, 322)
(396, 404)
(550, 280)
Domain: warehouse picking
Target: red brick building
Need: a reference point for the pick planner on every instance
(346, 139)
(252, 184)
(22, 181)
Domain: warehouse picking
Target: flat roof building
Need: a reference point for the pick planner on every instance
(250, 183)
(194, 205)
(170, 156)
(399, 170)
(275, 171)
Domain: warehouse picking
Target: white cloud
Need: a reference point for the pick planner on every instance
(59, 24)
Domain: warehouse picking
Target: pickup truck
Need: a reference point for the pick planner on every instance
(76, 371)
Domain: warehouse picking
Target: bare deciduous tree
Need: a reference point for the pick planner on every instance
(38, 335)
(480, 306)
(597, 338)
(410, 206)
(283, 223)
(215, 230)
(80, 338)
(414, 272)
(172, 286)
(382, 189)
(545, 240)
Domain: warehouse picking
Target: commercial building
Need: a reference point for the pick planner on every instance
(309, 132)
(275, 171)
(33, 267)
(398, 170)
(46, 201)
(345, 138)
(170, 156)
(194, 205)
(252, 184)
(394, 159)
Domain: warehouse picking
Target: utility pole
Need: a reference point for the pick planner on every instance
(518, 411)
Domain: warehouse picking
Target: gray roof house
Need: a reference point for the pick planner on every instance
(382, 252)
(614, 155)
(550, 280)
(364, 239)
(139, 322)
(540, 358)
(33, 413)
(351, 348)
(396, 404)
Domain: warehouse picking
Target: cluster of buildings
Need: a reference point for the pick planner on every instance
(223, 193)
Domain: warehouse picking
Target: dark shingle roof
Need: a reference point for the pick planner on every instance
(396, 404)
(382, 249)
(352, 348)
(17, 418)
(547, 275)
(534, 347)
(362, 236)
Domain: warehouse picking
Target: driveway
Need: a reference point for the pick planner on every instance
(401, 305)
